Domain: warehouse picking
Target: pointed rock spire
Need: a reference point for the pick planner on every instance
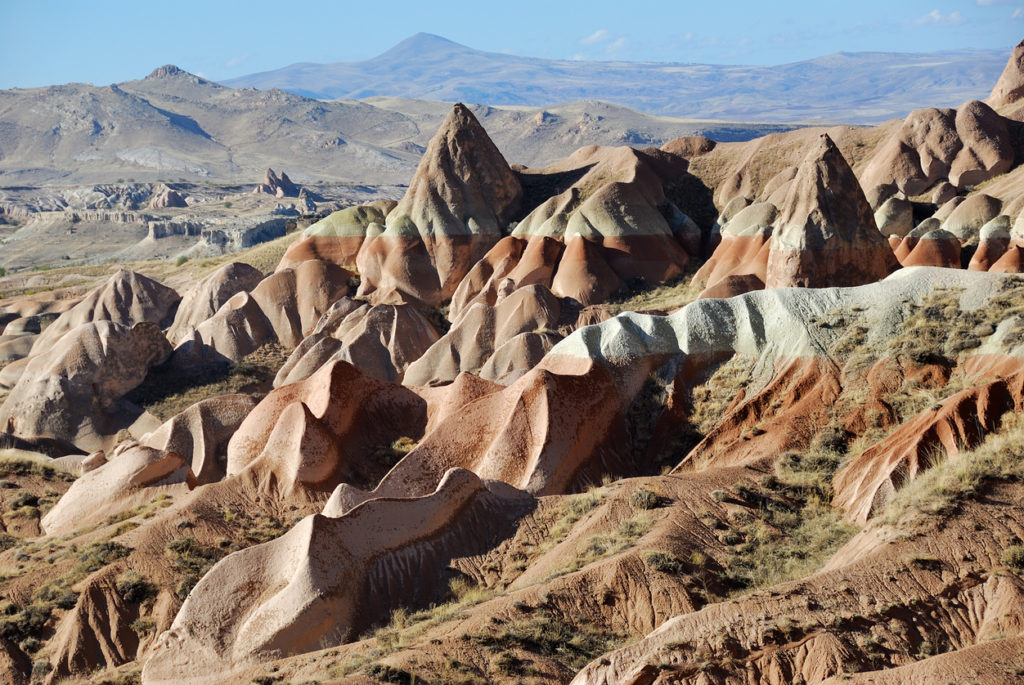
(825, 234)
(1010, 86)
(463, 185)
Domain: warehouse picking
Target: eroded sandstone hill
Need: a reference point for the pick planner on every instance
(728, 413)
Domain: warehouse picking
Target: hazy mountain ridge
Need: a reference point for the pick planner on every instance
(847, 87)
(175, 125)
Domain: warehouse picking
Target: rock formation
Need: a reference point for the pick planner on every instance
(71, 392)
(208, 295)
(825, 234)
(617, 222)
(277, 186)
(458, 205)
(312, 581)
(481, 330)
(323, 421)
(811, 472)
(962, 147)
(129, 470)
(382, 340)
(1010, 86)
(200, 434)
(167, 197)
(127, 298)
(338, 237)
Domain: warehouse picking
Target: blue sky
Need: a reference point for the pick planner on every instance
(45, 42)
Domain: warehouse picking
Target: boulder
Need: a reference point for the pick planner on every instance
(689, 146)
(987, 149)
(967, 219)
(943, 193)
(962, 147)
(895, 217)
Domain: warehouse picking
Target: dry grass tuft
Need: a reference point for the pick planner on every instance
(166, 393)
(941, 489)
(665, 297)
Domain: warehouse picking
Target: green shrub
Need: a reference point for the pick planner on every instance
(144, 626)
(192, 560)
(390, 674)
(645, 499)
(134, 588)
(665, 562)
(1013, 556)
(100, 554)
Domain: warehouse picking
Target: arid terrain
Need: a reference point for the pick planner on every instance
(644, 412)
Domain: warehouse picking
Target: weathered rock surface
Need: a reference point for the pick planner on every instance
(962, 147)
(200, 434)
(329, 578)
(617, 221)
(130, 469)
(293, 300)
(312, 434)
(337, 238)
(127, 298)
(481, 330)
(381, 340)
(458, 205)
(72, 391)
(207, 296)
(1010, 86)
(825, 234)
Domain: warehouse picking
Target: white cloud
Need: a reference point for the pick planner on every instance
(1018, 14)
(235, 61)
(937, 18)
(617, 45)
(598, 36)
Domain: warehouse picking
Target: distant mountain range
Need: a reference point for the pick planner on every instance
(864, 87)
(175, 125)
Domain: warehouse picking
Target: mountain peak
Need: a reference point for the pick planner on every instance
(420, 45)
(167, 71)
